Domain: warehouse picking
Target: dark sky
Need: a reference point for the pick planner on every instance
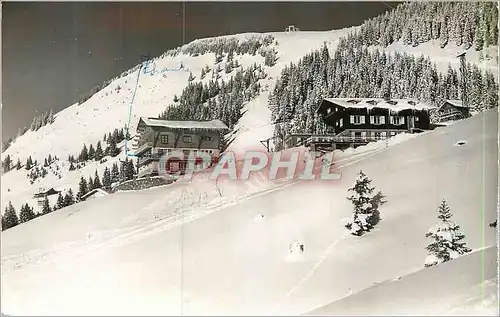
(53, 52)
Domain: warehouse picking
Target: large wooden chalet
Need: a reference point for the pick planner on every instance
(157, 137)
(451, 110)
(358, 121)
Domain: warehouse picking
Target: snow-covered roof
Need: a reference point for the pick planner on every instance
(204, 125)
(456, 103)
(95, 191)
(369, 103)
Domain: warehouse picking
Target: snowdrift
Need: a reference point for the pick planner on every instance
(449, 288)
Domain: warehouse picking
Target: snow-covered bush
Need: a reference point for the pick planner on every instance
(447, 239)
(366, 214)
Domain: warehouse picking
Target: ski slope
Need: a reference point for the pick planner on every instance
(183, 249)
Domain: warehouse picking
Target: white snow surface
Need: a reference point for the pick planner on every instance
(458, 287)
(184, 249)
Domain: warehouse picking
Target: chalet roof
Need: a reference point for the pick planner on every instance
(455, 103)
(369, 103)
(196, 125)
(49, 192)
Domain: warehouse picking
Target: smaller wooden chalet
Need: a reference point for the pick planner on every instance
(157, 137)
(451, 110)
(45, 193)
(357, 121)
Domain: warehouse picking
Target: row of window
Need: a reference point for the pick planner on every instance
(376, 120)
(185, 152)
(372, 134)
(185, 138)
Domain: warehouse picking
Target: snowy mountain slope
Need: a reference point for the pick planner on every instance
(109, 108)
(112, 256)
(463, 286)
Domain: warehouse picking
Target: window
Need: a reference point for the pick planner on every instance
(328, 110)
(341, 122)
(357, 119)
(164, 139)
(377, 120)
(187, 139)
(397, 120)
(393, 133)
(363, 135)
(161, 152)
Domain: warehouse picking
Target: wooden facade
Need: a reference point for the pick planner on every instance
(358, 121)
(451, 110)
(157, 138)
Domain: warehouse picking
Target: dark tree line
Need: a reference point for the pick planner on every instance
(224, 45)
(462, 23)
(356, 71)
(217, 99)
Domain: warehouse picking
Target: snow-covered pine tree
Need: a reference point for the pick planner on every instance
(91, 152)
(6, 163)
(26, 213)
(115, 173)
(98, 155)
(84, 154)
(447, 239)
(106, 179)
(129, 170)
(28, 164)
(365, 214)
(69, 198)
(18, 165)
(46, 206)
(9, 218)
(82, 189)
(60, 201)
(97, 181)
(90, 184)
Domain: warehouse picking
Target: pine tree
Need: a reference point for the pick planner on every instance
(90, 184)
(71, 166)
(60, 201)
(84, 155)
(366, 214)
(191, 78)
(129, 170)
(18, 165)
(69, 198)
(82, 189)
(26, 213)
(447, 239)
(97, 181)
(112, 150)
(29, 163)
(115, 173)
(106, 179)
(123, 177)
(9, 218)
(6, 163)
(46, 206)
(98, 152)
(91, 152)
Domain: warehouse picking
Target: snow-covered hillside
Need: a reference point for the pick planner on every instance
(466, 287)
(128, 98)
(182, 249)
